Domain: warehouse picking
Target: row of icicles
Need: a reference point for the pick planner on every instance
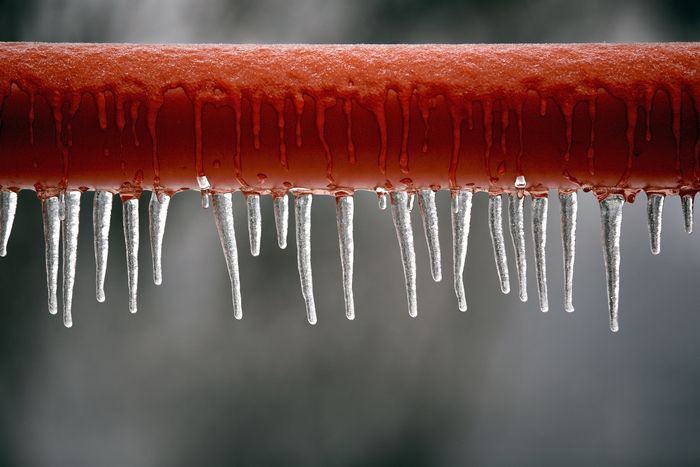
(61, 219)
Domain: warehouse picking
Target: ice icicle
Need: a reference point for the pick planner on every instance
(130, 219)
(381, 198)
(254, 223)
(687, 204)
(611, 220)
(411, 199)
(344, 218)
(52, 235)
(8, 207)
(157, 216)
(402, 221)
(569, 207)
(428, 211)
(516, 219)
(499, 244)
(70, 227)
(461, 219)
(280, 205)
(539, 235)
(204, 187)
(223, 217)
(101, 219)
(302, 211)
(655, 212)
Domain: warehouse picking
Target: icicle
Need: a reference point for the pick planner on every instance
(302, 211)
(70, 228)
(280, 205)
(52, 234)
(131, 238)
(381, 198)
(157, 216)
(411, 200)
(611, 219)
(8, 207)
(517, 234)
(461, 220)
(687, 204)
(402, 221)
(539, 235)
(499, 247)
(569, 208)
(344, 217)
(101, 219)
(204, 187)
(62, 205)
(254, 223)
(428, 211)
(223, 216)
(655, 212)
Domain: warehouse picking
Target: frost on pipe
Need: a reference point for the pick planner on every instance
(510, 120)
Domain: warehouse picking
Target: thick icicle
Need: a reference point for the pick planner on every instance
(280, 205)
(302, 211)
(569, 209)
(539, 235)
(687, 204)
(404, 231)
(655, 213)
(52, 235)
(461, 220)
(130, 220)
(8, 207)
(499, 244)
(223, 217)
(611, 220)
(344, 218)
(70, 227)
(101, 219)
(516, 219)
(157, 216)
(428, 211)
(254, 223)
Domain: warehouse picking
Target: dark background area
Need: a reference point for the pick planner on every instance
(183, 383)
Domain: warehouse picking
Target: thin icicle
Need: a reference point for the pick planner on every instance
(539, 235)
(381, 198)
(101, 219)
(8, 207)
(223, 217)
(516, 217)
(344, 210)
(254, 223)
(70, 227)
(52, 234)
(569, 209)
(157, 216)
(280, 205)
(404, 231)
(204, 187)
(411, 200)
(131, 237)
(611, 220)
(655, 212)
(428, 211)
(687, 204)
(302, 211)
(499, 244)
(461, 220)
(62, 205)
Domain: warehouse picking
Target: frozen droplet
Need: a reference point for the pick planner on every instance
(611, 220)
(516, 217)
(70, 227)
(101, 219)
(539, 235)
(52, 235)
(8, 207)
(131, 238)
(461, 221)
(302, 211)
(204, 187)
(687, 204)
(428, 211)
(254, 223)
(404, 231)
(569, 209)
(157, 216)
(655, 212)
(499, 244)
(381, 198)
(280, 205)
(344, 218)
(206, 199)
(520, 181)
(223, 217)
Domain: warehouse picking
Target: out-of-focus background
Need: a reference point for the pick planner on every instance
(183, 383)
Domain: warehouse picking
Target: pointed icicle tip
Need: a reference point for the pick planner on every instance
(70, 227)
(404, 231)
(101, 220)
(280, 206)
(687, 205)
(499, 244)
(655, 212)
(254, 223)
(516, 218)
(569, 209)
(8, 208)
(131, 238)
(302, 211)
(428, 211)
(157, 216)
(539, 235)
(344, 219)
(461, 219)
(611, 220)
(52, 234)
(223, 217)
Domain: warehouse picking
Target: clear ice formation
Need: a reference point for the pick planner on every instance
(223, 217)
(428, 211)
(344, 209)
(401, 213)
(131, 238)
(516, 219)
(611, 220)
(499, 244)
(687, 205)
(280, 205)
(101, 219)
(539, 235)
(52, 234)
(302, 211)
(157, 216)
(568, 208)
(70, 227)
(8, 207)
(381, 198)
(655, 212)
(461, 213)
(254, 223)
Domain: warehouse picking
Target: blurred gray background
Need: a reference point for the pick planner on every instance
(183, 383)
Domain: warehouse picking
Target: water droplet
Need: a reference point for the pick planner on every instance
(520, 182)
